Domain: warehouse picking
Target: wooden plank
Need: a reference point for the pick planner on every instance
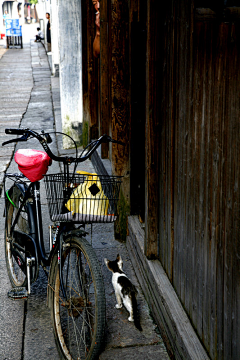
(212, 279)
(176, 176)
(152, 133)
(105, 105)
(218, 203)
(188, 144)
(207, 284)
(236, 210)
(150, 297)
(230, 93)
(137, 54)
(194, 185)
(171, 153)
(120, 86)
(198, 250)
(165, 168)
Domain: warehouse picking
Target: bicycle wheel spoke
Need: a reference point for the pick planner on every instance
(80, 333)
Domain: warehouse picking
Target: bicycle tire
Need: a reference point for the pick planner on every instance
(79, 320)
(25, 223)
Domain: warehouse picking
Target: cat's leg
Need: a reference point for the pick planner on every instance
(128, 305)
(119, 300)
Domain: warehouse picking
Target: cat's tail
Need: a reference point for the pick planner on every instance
(136, 317)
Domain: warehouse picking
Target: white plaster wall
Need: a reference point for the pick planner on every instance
(42, 15)
(42, 8)
(54, 34)
(15, 10)
(70, 68)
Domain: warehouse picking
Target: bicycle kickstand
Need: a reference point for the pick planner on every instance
(30, 262)
(19, 293)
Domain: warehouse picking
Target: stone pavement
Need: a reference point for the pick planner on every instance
(29, 97)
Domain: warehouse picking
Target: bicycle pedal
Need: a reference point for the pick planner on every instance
(18, 293)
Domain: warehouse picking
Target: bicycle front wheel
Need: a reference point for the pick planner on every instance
(78, 318)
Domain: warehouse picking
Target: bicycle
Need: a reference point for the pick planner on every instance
(75, 285)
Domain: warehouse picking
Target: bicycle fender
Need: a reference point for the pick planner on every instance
(50, 276)
(21, 187)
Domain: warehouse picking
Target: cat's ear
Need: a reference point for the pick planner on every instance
(106, 261)
(119, 261)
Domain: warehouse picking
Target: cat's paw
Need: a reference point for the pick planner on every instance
(130, 318)
(118, 306)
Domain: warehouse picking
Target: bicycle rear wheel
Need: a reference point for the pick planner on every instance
(25, 223)
(78, 319)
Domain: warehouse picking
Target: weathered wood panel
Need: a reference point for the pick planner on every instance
(152, 132)
(199, 172)
(137, 55)
(120, 85)
(166, 235)
(119, 107)
(105, 71)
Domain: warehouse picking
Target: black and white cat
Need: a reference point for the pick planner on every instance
(125, 291)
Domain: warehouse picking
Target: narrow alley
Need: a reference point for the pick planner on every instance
(29, 97)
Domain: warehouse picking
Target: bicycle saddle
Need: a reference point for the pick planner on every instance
(32, 163)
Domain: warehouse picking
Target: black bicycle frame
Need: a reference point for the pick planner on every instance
(33, 189)
(33, 192)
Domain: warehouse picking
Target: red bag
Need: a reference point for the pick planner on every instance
(32, 163)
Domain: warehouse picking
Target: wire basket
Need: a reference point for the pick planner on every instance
(81, 198)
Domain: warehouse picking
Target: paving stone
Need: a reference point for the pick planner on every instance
(157, 352)
(11, 312)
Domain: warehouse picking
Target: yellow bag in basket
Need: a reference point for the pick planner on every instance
(88, 197)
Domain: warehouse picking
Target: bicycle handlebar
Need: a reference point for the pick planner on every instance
(15, 131)
(46, 139)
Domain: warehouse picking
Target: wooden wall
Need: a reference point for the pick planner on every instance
(199, 218)
(90, 71)
(192, 105)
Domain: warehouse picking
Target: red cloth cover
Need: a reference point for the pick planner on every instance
(32, 163)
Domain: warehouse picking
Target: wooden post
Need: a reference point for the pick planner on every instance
(120, 85)
(90, 70)
(137, 96)
(104, 75)
(152, 134)
(120, 106)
